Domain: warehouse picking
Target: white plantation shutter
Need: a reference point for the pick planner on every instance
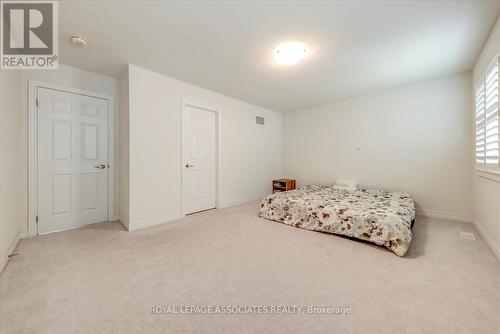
(480, 149)
(491, 115)
(487, 132)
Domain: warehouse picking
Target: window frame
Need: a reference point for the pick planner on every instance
(483, 167)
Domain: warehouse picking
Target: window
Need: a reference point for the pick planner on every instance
(487, 138)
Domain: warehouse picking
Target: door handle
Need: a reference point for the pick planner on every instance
(100, 166)
(189, 166)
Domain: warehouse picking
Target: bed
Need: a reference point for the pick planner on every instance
(376, 216)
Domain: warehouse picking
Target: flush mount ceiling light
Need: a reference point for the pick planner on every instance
(289, 53)
(79, 41)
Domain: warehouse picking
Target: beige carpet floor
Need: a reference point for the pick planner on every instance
(102, 279)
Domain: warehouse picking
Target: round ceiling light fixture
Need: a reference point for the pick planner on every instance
(79, 41)
(289, 53)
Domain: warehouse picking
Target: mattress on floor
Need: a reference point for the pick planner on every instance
(377, 216)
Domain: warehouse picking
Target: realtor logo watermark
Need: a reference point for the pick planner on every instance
(29, 32)
(247, 309)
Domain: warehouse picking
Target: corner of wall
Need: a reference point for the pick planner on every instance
(124, 148)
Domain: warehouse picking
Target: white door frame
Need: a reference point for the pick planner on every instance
(202, 106)
(33, 149)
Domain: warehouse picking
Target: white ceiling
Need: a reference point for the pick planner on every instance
(355, 46)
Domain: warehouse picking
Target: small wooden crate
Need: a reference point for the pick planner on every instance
(283, 185)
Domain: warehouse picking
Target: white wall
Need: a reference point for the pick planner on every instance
(414, 138)
(69, 77)
(250, 155)
(10, 230)
(486, 196)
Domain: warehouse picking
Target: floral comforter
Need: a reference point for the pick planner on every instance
(377, 216)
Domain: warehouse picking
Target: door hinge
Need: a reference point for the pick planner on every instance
(36, 102)
(36, 219)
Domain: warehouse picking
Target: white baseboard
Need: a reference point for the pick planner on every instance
(12, 247)
(157, 221)
(444, 215)
(240, 201)
(151, 222)
(489, 242)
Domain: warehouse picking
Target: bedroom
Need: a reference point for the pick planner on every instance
(363, 119)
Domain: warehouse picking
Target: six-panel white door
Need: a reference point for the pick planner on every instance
(198, 152)
(72, 160)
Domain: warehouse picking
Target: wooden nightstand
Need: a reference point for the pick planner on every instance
(280, 185)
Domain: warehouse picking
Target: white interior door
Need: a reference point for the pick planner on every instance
(199, 152)
(72, 160)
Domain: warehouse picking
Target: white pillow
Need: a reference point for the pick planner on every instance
(345, 185)
(341, 187)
